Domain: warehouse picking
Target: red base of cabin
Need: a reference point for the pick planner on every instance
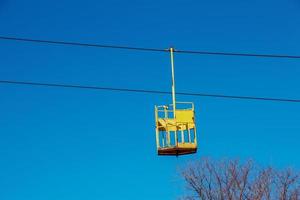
(175, 151)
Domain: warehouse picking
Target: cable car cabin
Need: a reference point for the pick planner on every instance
(175, 124)
(176, 134)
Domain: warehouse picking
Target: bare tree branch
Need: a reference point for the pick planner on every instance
(235, 180)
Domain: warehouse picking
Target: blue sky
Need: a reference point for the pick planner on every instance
(62, 144)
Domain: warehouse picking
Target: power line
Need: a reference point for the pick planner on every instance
(149, 91)
(149, 49)
(82, 44)
(239, 54)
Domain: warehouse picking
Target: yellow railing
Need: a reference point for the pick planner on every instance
(167, 125)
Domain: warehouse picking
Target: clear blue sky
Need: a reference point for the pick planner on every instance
(63, 144)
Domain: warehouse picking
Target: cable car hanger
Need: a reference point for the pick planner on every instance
(175, 124)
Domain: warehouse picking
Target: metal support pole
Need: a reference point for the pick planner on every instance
(173, 82)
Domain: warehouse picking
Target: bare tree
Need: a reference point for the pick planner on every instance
(235, 180)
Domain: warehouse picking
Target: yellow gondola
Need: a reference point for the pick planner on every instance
(175, 125)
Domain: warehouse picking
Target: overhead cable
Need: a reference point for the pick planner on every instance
(216, 53)
(149, 91)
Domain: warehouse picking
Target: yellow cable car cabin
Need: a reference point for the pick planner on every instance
(175, 125)
(176, 136)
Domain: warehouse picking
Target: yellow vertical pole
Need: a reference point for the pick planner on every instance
(156, 128)
(173, 82)
(195, 130)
